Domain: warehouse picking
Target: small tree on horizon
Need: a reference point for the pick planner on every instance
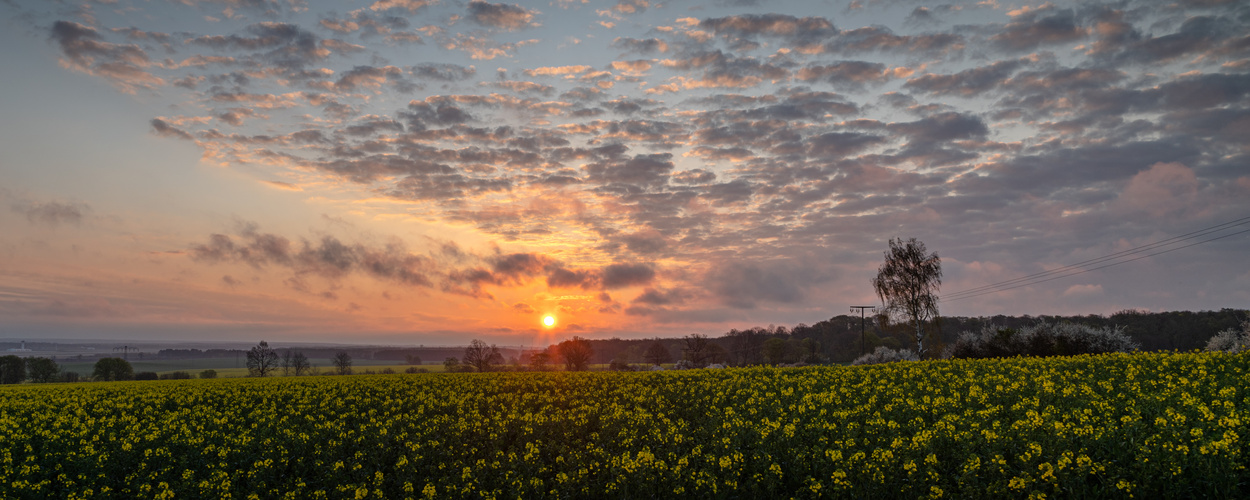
(342, 363)
(261, 360)
(907, 284)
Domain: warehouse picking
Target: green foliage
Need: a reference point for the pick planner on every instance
(1147, 425)
(208, 374)
(1042, 339)
(146, 376)
(107, 369)
(179, 375)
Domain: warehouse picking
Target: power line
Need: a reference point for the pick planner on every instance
(1175, 239)
(1075, 269)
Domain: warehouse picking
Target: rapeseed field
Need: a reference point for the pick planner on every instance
(1142, 425)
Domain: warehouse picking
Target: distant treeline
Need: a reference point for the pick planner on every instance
(400, 355)
(838, 339)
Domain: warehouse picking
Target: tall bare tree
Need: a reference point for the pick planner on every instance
(908, 282)
(261, 360)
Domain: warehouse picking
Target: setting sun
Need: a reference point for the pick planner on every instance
(549, 320)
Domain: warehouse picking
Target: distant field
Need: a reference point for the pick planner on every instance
(1158, 425)
(230, 367)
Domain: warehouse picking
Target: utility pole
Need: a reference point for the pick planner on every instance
(125, 351)
(863, 337)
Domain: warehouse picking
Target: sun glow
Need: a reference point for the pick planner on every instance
(549, 321)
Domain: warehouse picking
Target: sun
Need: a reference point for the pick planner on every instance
(549, 320)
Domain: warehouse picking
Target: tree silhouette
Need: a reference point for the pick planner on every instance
(12, 369)
(481, 357)
(42, 369)
(698, 349)
(907, 284)
(112, 369)
(657, 354)
(342, 363)
(261, 360)
(576, 353)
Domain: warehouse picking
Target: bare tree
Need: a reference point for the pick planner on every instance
(481, 357)
(576, 353)
(657, 354)
(697, 350)
(300, 364)
(287, 358)
(342, 363)
(908, 282)
(261, 360)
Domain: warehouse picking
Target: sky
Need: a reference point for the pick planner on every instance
(431, 171)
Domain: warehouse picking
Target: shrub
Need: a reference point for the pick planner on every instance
(175, 376)
(147, 376)
(70, 377)
(208, 374)
(1042, 339)
(617, 365)
(1231, 340)
(413, 369)
(884, 354)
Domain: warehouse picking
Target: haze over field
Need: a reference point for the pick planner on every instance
(417, 171)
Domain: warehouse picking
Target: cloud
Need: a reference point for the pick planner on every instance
(85, 50)
(1165, 189)
(51, 213)
(1043, 26)
(500, 15)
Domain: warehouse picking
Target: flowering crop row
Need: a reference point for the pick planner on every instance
(1145, 425)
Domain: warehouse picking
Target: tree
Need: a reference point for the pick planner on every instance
(908, 282)
(112, 369)
(481, 357)
(697, 349)
(12, 369)
(576, 353)
(42, 369)
(657, 354)
(775, 351)
(412, 359)
(342, 363)
(287, 357)
(210, 373)
(451, 365)
(300, 364)
(261, 360)
(539, 361)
